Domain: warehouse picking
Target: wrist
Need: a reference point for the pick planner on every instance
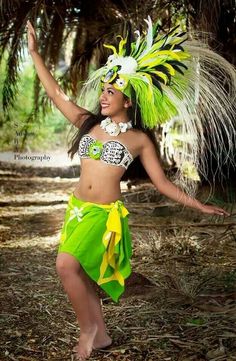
(33, 52)
(199, 206)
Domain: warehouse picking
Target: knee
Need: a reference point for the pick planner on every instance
(61, 267)
(66, 265)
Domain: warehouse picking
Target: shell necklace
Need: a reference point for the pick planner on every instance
(113, 128)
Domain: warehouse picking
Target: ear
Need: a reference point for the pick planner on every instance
(128, 103)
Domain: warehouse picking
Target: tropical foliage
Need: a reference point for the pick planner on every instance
(22, 131)
(73, 31)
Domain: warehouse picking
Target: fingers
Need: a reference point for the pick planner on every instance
(221, 212)
(30, 27)
(215, 210)
(28, 23)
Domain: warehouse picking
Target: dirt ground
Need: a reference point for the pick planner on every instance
(180, 300)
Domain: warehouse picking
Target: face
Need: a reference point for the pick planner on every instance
(112, 101)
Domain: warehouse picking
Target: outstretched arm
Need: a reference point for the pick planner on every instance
(153, 168)
(75, 114)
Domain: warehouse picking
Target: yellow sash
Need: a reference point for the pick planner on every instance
(111, 238)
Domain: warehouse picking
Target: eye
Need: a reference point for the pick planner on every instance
(110, 92)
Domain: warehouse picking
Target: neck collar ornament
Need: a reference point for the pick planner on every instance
(113, 128)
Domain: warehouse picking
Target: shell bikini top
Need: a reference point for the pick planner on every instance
(111, 151)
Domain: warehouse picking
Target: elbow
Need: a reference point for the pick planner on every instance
(56, 95)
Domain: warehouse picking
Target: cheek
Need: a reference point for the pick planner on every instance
(118, 106)
(118, 102)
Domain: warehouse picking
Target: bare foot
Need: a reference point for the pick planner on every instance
(101, 341)
(85, 344)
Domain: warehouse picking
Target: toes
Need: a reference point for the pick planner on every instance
(82, 356)
(79, 357)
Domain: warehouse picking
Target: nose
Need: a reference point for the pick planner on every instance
(103, 97)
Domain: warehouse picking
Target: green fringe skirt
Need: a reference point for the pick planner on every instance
(98, 236)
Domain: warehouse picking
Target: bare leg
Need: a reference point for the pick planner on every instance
(101, 339)
(69, 270)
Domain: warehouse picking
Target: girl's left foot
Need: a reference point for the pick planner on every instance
(85, 344)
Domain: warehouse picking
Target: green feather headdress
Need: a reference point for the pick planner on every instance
(146, 67)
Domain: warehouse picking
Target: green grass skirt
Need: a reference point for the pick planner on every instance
(98, 236)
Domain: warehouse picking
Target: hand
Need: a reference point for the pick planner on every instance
(214, 210)
(32, 40)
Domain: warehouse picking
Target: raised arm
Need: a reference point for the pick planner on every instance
(75, 114)
(153, 168)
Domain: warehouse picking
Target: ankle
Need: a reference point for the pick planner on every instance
(91, 328)
(101, 335)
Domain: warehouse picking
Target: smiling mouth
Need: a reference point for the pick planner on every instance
(104, 105)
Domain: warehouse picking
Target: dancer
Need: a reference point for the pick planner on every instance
(142, 84)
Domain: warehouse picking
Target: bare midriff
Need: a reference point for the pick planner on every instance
(99, 182)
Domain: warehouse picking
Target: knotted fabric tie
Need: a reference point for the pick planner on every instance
(111, 239)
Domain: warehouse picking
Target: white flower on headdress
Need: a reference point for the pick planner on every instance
(128, 64)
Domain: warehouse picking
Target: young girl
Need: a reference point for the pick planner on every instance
(95, 241)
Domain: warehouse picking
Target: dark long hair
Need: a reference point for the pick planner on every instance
(136, 170)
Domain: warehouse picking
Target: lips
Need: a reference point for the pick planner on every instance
(103, 105)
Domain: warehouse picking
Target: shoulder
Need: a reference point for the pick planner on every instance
(140, 135)
(141, 138)
(139, 142)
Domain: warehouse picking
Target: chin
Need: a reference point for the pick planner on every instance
(106, 112)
